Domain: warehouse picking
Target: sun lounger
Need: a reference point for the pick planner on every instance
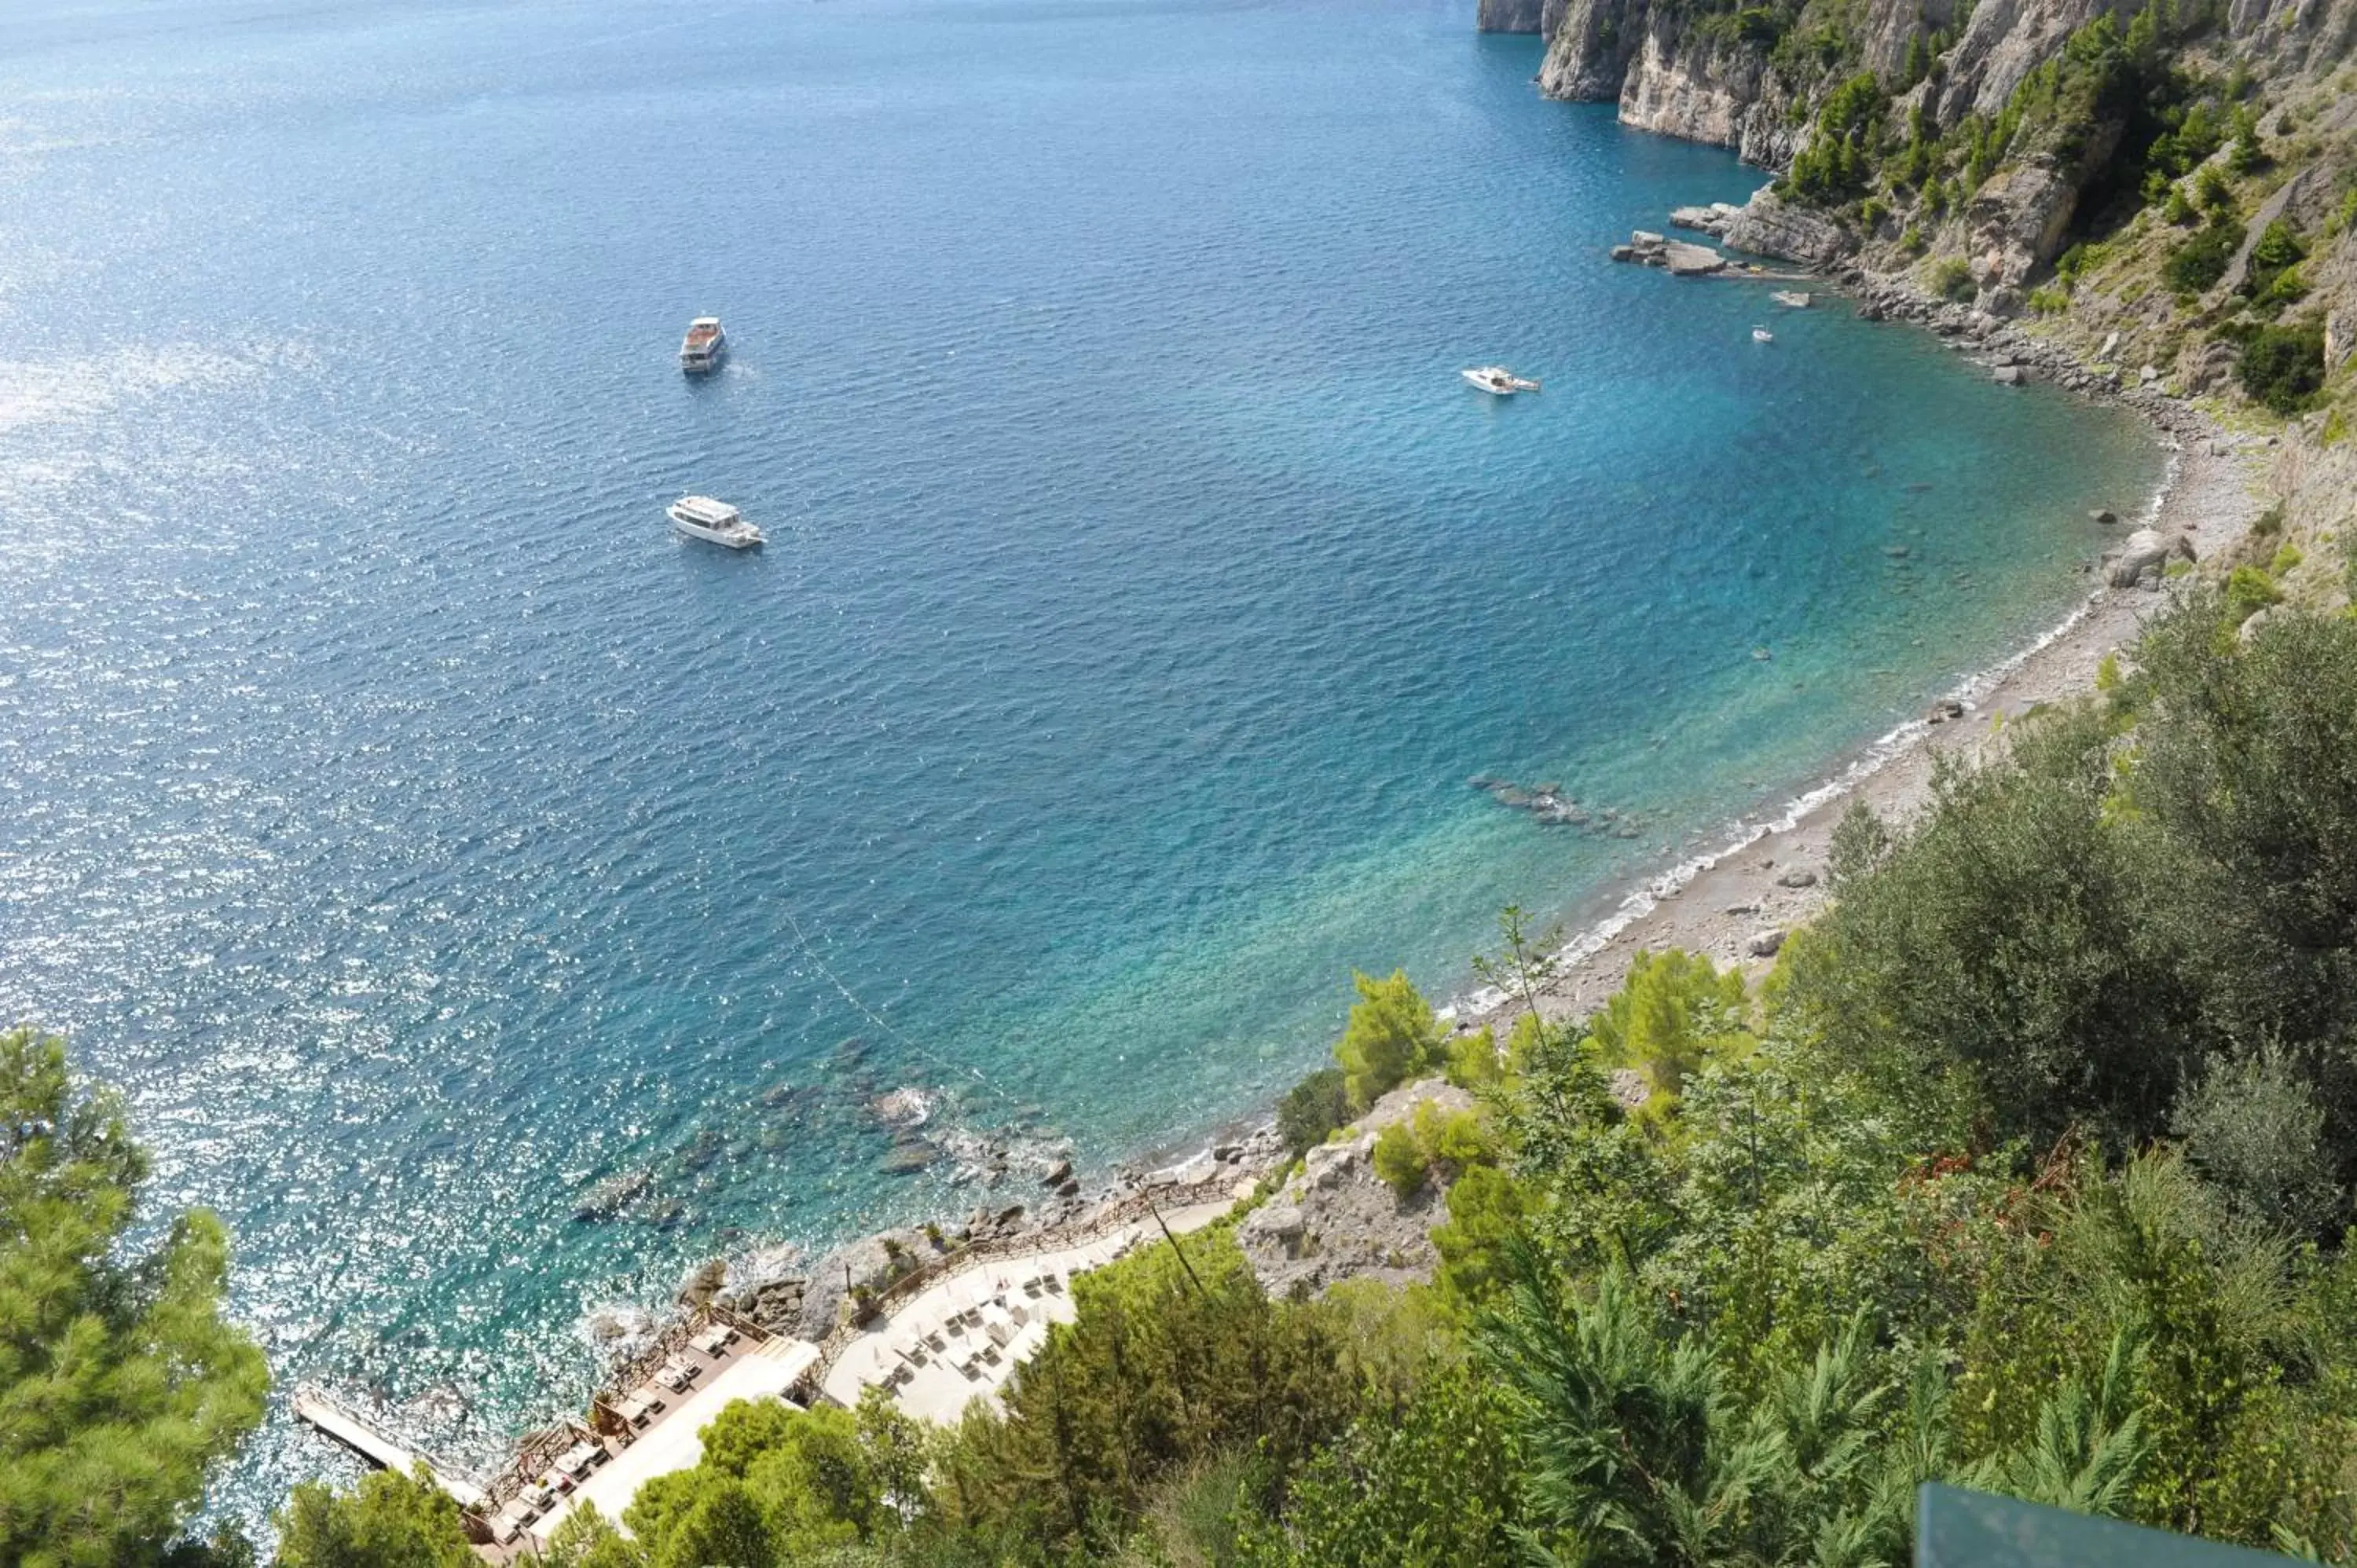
(999, 1333)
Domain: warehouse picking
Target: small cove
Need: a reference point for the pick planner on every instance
(423, 836)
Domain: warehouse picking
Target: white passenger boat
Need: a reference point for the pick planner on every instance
(705, 346)
(1498, 380)
(701, 517)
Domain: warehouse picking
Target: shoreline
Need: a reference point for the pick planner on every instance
(1734, 903)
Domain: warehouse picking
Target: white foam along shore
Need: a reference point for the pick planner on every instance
(1718, 901)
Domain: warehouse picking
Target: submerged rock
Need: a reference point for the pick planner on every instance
(613, 1194)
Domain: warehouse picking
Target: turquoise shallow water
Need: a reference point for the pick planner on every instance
(422, 835)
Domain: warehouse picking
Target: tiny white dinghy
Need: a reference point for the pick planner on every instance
(1761, 335)
(1498, 380)
(716, 522)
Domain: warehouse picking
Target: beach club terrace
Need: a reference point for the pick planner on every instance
(939, 1339)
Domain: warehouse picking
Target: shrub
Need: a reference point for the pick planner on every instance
(2285, 559)
(1312, 1108)
(2049, 301)
(2212, 191)
(2336, 429)
(1952, 280)
(2255, 1128)
(1391, 1036)
(1399, 1160)
(2202, 261)
(2249, 590)
(1912, 241)
(2247, 157)
(1473, 1063)
(2282, 367)
(1675, 1011)
(2178, 210)
(2268, 523)
(1456, 1140)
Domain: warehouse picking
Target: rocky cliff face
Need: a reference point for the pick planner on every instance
(1670, 79)
(1707, 90)
(1509, 15)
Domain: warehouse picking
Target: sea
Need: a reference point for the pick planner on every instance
(423, 836)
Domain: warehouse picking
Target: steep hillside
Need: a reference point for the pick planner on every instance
(2167, 193)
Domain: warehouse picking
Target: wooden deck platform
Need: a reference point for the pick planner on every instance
(354, 1432)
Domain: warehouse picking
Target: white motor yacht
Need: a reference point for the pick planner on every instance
(705, 346)
(701, 517)
(1498, 380)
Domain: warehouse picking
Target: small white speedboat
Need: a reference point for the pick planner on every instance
(1761, 335)
(717, 523)
(1499, 380)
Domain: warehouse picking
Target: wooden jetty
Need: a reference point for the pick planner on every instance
(314, 1405)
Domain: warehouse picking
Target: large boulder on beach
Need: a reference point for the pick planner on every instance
(2147, 548)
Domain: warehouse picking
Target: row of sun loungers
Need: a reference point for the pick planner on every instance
(974, 1331)
(566, 1471)
(678, 1374)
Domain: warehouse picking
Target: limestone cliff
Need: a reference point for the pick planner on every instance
(1509, 15)
(1705, 89)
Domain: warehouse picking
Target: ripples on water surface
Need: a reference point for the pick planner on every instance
(422, 835)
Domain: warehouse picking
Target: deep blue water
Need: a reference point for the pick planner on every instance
(422, 835)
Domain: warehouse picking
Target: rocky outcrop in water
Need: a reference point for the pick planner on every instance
(1767, 225)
